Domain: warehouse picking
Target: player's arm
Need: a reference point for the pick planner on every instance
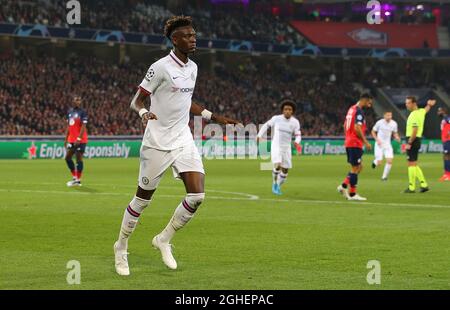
(448, 131)
(397, 136)
(375, 136)
(197, 109)
(262, 131)
(67, 138)
(359, 133)
(298, 138)
(138, 104)
(82, 131)
(359, 121)
(149, 85)
(430, 104)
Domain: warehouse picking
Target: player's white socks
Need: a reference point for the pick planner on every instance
(182, 215)
(387, 169)
(130, 219)
(281, 178)
(275, 174)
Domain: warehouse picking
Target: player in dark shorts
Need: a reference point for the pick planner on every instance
(445, 135)
(355, 139)
(414, 131)
(76, 140)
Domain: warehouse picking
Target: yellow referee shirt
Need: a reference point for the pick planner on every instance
(416, 119)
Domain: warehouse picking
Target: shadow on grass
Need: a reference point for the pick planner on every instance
(86, 189)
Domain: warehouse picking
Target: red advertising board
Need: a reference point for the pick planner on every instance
(363, 35)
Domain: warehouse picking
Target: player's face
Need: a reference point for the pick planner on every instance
(367, 103)
(409, 104)
(288, 111)
(388, 116)
(77, 102)
(185, 39)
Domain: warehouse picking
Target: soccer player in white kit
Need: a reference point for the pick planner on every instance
(284, 127)
(382, 132)
(167, 141)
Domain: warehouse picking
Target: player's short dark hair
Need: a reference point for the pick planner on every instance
(412, 98)
(444, 108)
(366, 96)
(288, 102)
(388, 111)
(176, 22)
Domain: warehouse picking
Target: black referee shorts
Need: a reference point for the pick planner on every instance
(413, 153)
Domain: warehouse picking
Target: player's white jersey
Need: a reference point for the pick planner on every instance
(282, 130)
(385, 130)
(171, 84)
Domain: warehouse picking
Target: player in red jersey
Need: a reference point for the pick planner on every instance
(355, 139)
(76, 140)
(445, 135)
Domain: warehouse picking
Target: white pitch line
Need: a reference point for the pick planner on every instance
(250, 197)
(110, 194)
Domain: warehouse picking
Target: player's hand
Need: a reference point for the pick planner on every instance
(431, 102)
(148, 116)
(368, 146)
(379, 142)
(407, 147)
(224, 120)
(298, 147)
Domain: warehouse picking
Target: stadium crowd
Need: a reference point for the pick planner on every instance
(149, 17)
(35, 95)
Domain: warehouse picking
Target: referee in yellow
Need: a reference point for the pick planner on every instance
(414, 131)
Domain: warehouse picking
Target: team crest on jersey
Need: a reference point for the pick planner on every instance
(359, 117)
(71, 122)
(193, 76)
(150, 74)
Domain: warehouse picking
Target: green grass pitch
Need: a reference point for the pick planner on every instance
(242, 237)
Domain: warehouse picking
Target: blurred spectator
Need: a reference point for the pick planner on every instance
(149, 17)
(35, 95)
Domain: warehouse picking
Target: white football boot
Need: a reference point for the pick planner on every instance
(166, 252)
(73, 182)
(356, 197)
(343, 191)
(121, 258)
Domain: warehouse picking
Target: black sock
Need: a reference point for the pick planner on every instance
(80, 166)
(70, 164)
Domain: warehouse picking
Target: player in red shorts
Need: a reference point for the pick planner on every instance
(355, 139)
(445, 135)
(76, 140)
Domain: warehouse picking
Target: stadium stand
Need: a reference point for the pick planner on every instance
(36, 97)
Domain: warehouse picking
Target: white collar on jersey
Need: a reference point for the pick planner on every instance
(178, 61)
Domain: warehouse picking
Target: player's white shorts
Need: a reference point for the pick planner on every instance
(384, 151)
(282, 156)
(153, 164)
